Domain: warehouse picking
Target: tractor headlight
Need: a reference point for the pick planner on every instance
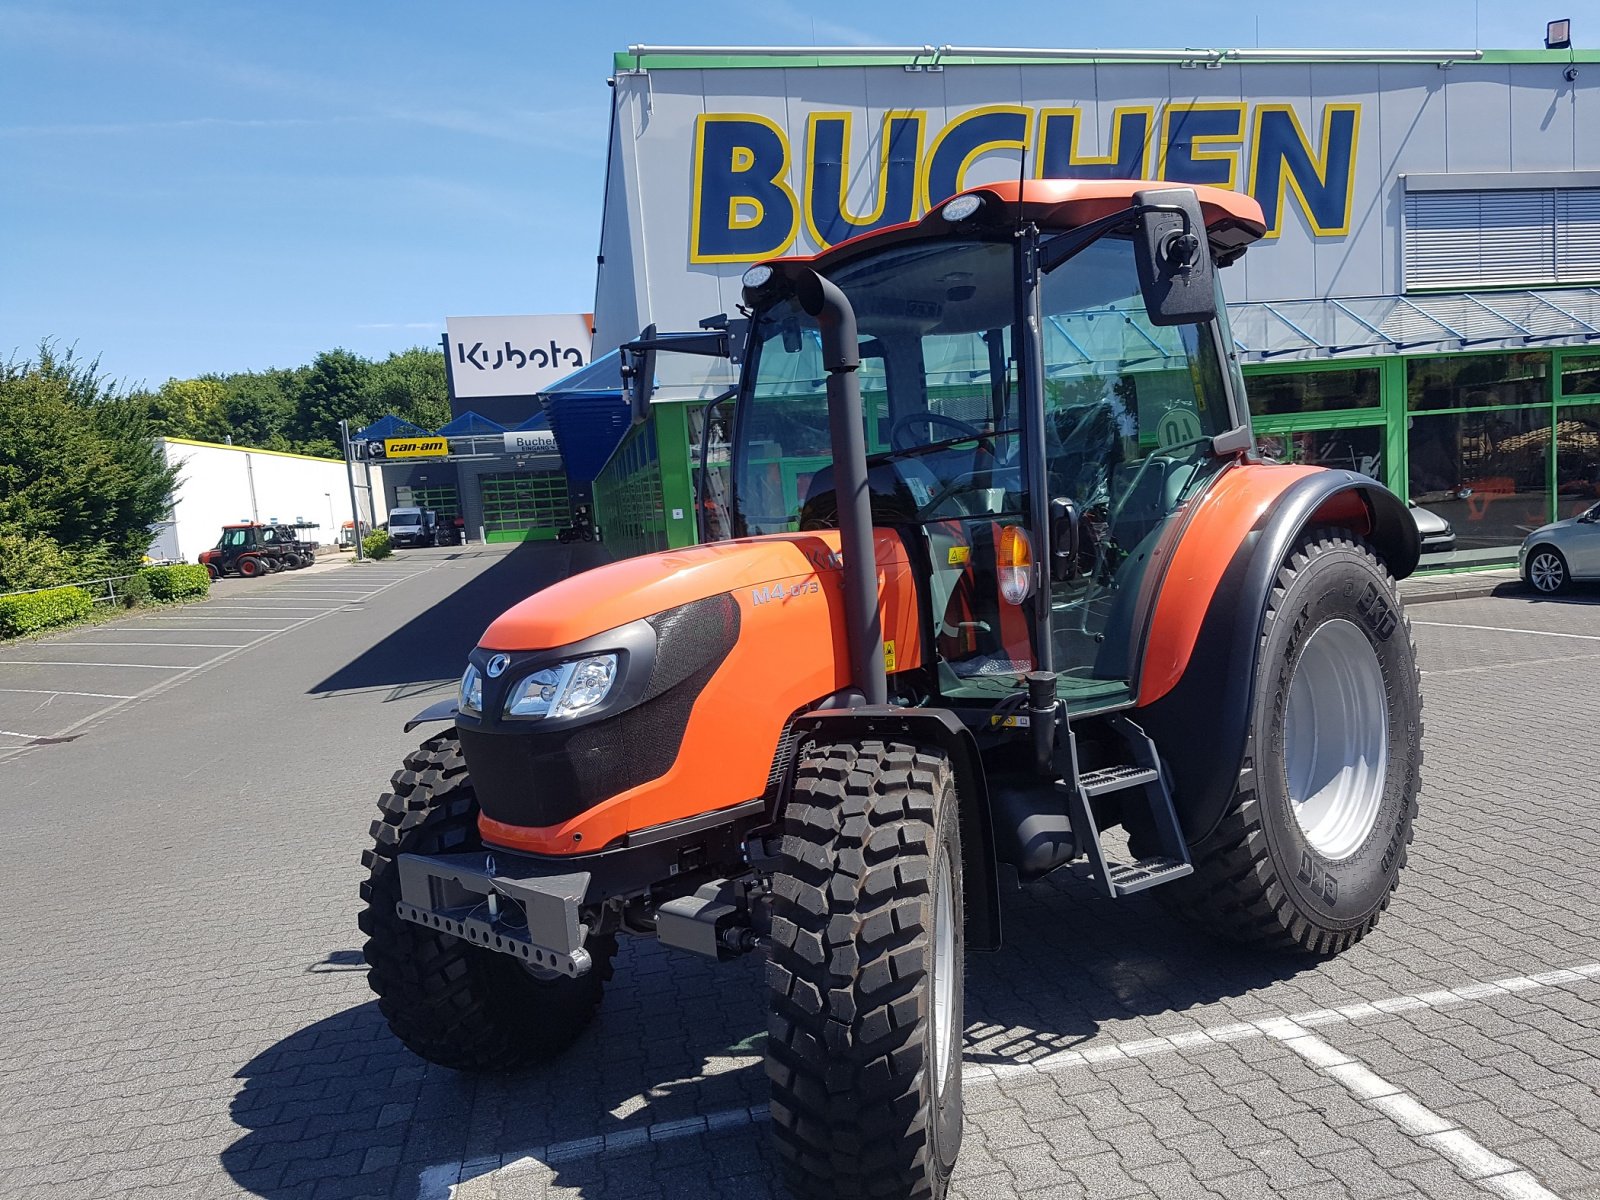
(566, 689)
(471, 698)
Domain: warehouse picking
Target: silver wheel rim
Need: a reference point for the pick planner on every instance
(1546, 572)
(1336, 739)
(944, 974)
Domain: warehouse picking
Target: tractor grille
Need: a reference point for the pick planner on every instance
(535, 778)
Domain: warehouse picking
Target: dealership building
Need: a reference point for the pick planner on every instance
(1425, 306)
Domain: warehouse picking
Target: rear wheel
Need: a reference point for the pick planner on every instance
(1547, 570)
(865, 976)
(1312, 847)
(250, 566)
(451, 1002)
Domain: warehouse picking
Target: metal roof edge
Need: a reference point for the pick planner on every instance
(648, 58)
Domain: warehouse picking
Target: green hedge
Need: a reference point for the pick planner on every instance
(177, 582)
(376, 544)
(41, 610)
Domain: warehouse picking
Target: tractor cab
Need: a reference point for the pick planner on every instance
(1045, 380)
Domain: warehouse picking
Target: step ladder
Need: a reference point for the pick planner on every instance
(1141, 780)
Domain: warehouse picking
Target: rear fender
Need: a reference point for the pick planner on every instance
(934, 727)
(1199, 715)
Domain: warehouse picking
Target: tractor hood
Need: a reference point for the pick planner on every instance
(613, 595)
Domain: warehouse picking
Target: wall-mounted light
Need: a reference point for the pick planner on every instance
(1558, 34)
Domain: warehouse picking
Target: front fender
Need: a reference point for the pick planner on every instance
(1198, 686)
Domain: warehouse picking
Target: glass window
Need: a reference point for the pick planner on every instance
(1345, 449)
(1485, 473)
(1577, 459)
(1477, 380)
(236, 537)
(1580, 374)
(1314, 391)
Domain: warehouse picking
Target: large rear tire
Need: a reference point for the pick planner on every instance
(865, 976)
(451, 1002)
(1312, 847)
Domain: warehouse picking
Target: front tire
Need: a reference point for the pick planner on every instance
(1547, 570)
(1312, 847)
(865, 975)
(451, 1002)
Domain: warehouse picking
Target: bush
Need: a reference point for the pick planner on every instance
(135, 591)
(177, 582)
(376, 544)
(41, 610)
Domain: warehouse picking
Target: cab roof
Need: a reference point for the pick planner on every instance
(1233, 219)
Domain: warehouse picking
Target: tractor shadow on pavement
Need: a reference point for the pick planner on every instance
(432, 647)
(340, 1108)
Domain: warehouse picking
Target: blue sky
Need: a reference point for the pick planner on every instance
(190, 187)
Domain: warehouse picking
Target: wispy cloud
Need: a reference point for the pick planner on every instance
(434, 325)
(116, 128)
(570, 130)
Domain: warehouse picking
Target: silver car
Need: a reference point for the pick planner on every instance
(1556, 555)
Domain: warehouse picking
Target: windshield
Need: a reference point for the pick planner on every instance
(939, 386)
(396, 519)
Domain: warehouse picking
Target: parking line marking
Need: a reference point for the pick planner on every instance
(1524, 662)
(258, 608)
(156, 689)
(181, 645)
(50, 662)
(1582, 637)
(1505, 1178)
(32, 737)
(1424, 1126)
(54, 692)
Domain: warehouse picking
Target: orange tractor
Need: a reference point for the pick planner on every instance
(1005, 574)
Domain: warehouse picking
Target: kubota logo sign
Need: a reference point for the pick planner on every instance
(753, 189)
(515, 356)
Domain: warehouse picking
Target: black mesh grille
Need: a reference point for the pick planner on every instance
(535, 778)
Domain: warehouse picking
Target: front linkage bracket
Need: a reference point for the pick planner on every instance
(464, 895)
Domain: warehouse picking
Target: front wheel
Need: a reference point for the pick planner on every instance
(451, 1002)
(1547, 570)
(1313, 844)
(865, 975)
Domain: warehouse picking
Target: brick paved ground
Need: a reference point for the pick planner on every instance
(183, 1013)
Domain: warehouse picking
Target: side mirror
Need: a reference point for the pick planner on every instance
(1064, 540)
(638, 372)
(1176, 274)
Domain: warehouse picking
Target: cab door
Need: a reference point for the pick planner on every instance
(1130, 410)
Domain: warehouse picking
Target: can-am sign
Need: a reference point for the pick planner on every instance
(514, 356)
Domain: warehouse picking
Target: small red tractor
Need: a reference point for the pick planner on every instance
(1005, 571)
(252, 549)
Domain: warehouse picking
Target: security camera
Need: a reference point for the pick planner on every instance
(1570, 74)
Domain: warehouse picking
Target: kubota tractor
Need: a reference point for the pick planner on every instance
(1006, 572)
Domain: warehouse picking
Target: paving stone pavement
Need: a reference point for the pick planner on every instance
(183, 1012)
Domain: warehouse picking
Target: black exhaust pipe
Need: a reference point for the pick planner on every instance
(841, 356)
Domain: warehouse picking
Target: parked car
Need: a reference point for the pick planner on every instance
(413, 527)
(1562, 552)
(1437, 536)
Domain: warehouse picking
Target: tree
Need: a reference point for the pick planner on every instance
(191, 408)
(79, 464)
(261, 407)
(410, 385)
(334, 389)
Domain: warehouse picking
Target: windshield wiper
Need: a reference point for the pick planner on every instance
(915, 451)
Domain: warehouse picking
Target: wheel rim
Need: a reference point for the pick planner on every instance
(1546, 571)
(944, 974)
(1336, 739)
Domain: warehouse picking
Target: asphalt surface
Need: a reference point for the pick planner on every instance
(183, 1010)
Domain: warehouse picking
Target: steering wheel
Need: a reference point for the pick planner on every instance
(904, 424)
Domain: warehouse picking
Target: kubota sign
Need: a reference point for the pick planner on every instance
(514, 356)
(753, 189)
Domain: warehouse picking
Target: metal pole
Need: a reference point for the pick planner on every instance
(372, 505)
(350, 475)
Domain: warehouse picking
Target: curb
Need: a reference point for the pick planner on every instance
(1468, 589)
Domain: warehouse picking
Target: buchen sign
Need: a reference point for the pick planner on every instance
(427, 447)
(753, 190)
